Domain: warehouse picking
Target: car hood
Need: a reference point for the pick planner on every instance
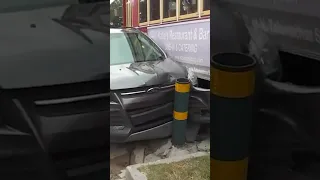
(37, 51)
(141, 74)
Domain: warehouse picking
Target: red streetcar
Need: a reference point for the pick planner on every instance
(180, 27)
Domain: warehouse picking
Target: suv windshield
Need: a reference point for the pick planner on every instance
(132, 46)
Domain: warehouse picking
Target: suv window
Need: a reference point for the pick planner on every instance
(133, 46)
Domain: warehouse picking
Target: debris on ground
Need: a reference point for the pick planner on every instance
(204, 145)
(122, 174)
(151, 158)
(137, 155)
(163, 150)
(177, 152)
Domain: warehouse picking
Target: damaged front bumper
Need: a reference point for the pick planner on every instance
(138, 115)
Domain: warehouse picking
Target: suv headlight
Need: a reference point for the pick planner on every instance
(192, 77)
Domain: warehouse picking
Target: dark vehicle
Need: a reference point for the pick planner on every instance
(142, 81)
(54, 90)
(283, 35)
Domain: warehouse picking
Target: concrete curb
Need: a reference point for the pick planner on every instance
(132, 172)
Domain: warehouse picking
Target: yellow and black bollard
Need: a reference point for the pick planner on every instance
(180, 112)
(231, 108)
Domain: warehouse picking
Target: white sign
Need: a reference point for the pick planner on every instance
(186, 42)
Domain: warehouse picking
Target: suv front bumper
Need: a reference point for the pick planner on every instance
(145, 116)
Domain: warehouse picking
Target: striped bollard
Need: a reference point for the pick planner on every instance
(180, 112)
(232, 86)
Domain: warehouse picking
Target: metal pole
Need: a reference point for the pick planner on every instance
(231, 109)
(180, 113)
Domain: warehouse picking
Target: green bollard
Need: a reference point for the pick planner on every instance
(231, 109)
(180, 112)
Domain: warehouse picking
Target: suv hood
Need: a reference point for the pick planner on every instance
(141, 74)
(36, 51)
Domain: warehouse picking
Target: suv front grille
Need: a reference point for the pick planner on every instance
(134, 112)
(146, 108)
(141, 90)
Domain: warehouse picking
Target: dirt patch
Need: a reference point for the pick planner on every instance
(117, 164)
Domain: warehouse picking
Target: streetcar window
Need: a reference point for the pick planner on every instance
(206, 5)
(188, 7)
(161, 11)
(115, 14)
(143, 11)
(169, 8)
(154, 10)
